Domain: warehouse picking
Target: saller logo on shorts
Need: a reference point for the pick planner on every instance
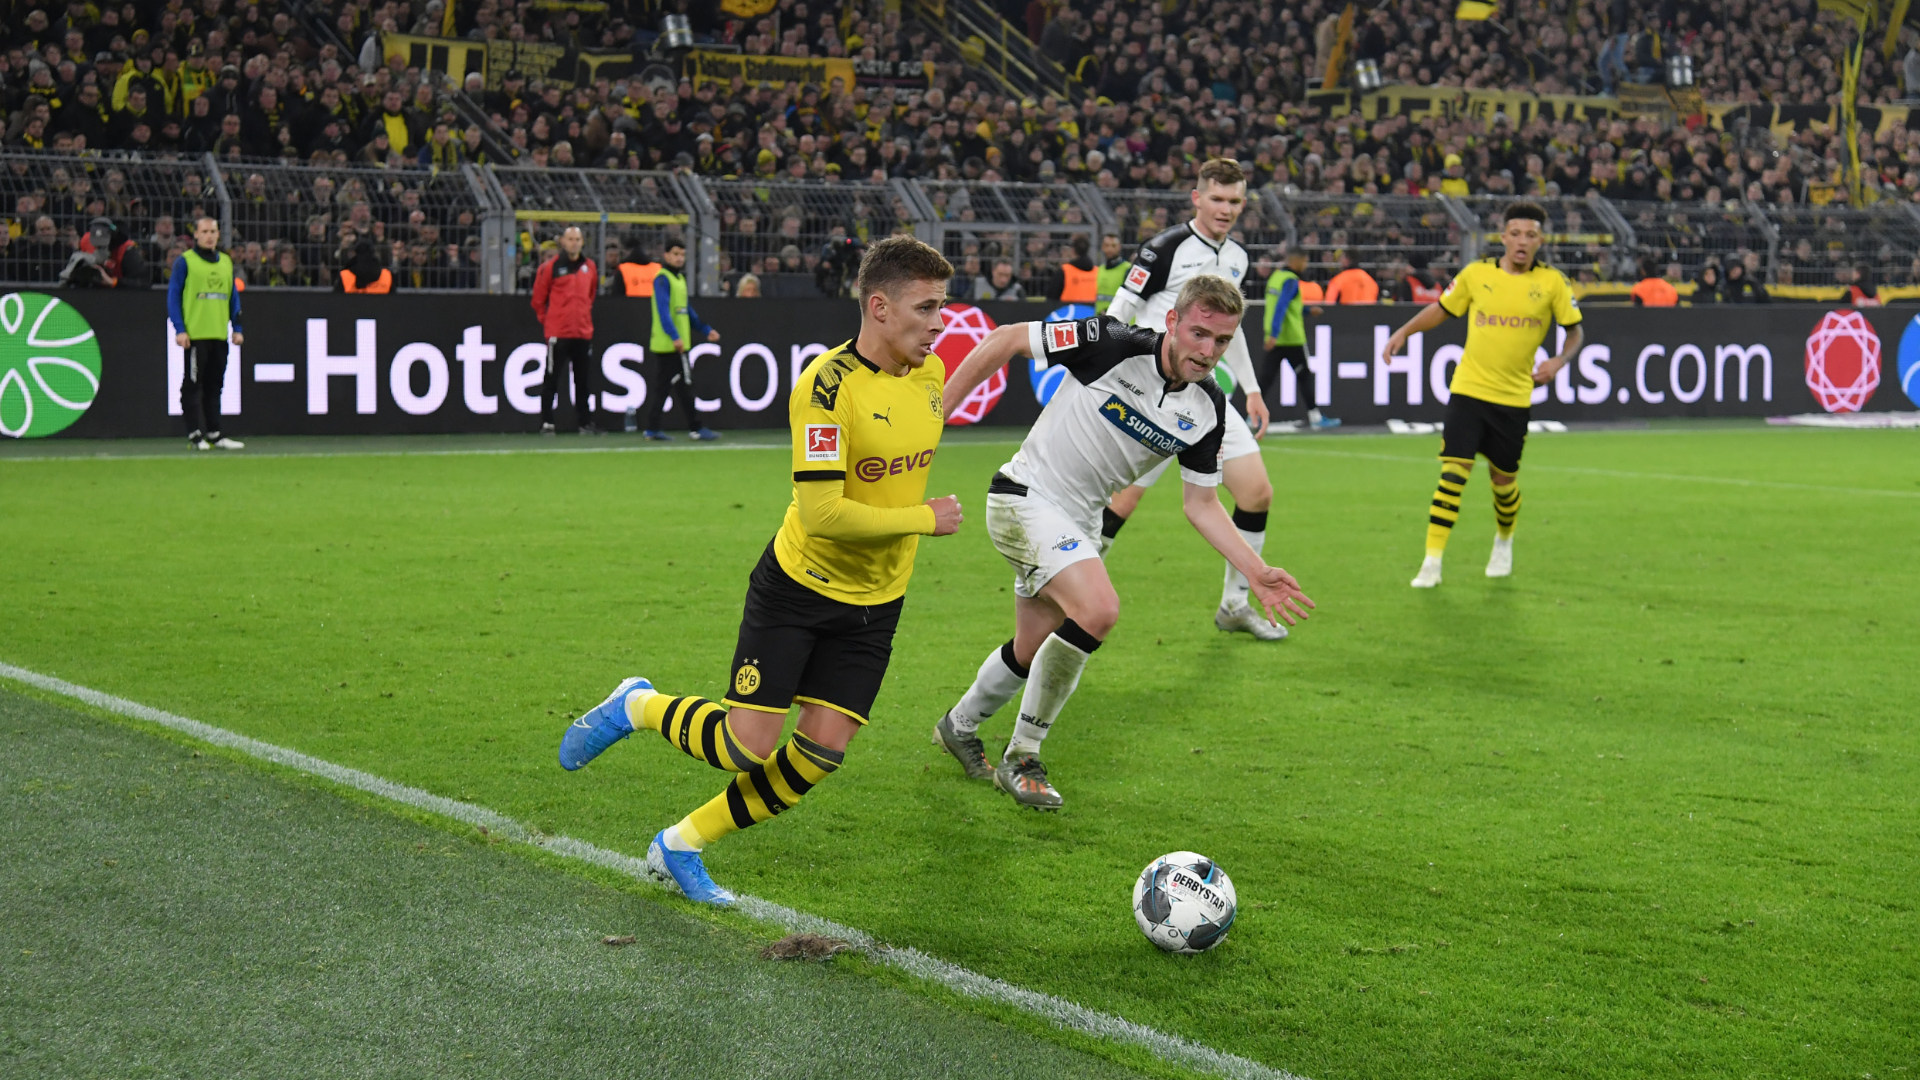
(823, 442)
(1139, 428)
(873, 469)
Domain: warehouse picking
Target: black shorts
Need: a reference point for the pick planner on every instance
(796, 645)
(1496, 432)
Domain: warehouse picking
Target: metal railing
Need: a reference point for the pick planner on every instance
(618, 210)
(781, 233)
(1030, 225)
(481, 227)
(1007, 56)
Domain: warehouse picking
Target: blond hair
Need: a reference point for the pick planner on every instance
(1216, 293)
(1223, 171)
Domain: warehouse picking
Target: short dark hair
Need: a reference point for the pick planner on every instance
(672, 242)
(1525, 211)
(898, 260)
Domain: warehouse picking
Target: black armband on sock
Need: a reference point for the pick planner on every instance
(1110, 522)
(1006, 657)
(1075, 635)
(1249, 520)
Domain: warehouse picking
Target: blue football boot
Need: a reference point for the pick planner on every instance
(686, 870)
(705, 434)
(604, 725)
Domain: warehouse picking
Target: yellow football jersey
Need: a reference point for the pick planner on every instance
(878, 433)
(1510, 317)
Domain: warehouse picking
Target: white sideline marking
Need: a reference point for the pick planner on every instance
(1059, 1012)
(1733, 481)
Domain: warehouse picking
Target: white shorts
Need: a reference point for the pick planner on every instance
(1038, 539)
(1236, 442)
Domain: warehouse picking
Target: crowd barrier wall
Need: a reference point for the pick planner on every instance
(317, 363)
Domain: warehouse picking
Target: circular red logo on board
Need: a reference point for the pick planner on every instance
(1843, 361)
(967, 326)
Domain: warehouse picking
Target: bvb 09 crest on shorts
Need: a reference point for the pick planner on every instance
(747, 679)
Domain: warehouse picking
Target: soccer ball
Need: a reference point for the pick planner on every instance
(1184, 903)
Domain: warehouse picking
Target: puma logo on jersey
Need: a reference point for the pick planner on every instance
(887, 416)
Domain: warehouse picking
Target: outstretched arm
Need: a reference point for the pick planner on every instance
(1279, 595)
(999, 346)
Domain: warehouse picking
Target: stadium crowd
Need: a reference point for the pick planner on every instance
(1168, 86)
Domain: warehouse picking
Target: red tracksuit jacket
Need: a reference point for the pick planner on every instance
(563, 294)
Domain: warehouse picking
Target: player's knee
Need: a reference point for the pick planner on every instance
(757, 732)
(1258, 497)
(1099, 616)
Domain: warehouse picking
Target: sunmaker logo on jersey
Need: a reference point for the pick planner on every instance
(1139, 428)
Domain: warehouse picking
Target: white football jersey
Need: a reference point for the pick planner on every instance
(1113, 419)
(1166, 263)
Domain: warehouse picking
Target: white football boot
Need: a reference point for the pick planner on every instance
(1500, 563)
(1429, 574)
(1240, 618)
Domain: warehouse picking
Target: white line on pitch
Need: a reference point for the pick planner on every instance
(1057, 1011)
(1732, 481)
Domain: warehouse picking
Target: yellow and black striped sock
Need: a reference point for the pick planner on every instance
(1506, 507)
(762, 791)
(699, 728)
(1446, 502)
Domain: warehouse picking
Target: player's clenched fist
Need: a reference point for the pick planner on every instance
(1280, 595)
(946, 515)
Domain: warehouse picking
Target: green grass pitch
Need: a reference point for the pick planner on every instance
(1645, 809)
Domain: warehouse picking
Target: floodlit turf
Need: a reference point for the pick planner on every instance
(171, 913)
(1645, 809)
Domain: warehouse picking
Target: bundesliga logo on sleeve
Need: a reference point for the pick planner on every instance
(823, 442)
(1137, 277)
(1066, 335)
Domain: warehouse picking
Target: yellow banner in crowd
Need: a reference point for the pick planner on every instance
(493, 59)
(722, 67)
(1420, 102)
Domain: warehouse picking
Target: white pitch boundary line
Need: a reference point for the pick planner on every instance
(1732, 481)
(1057, 1011)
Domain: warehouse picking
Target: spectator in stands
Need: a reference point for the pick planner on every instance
(1707, 285)
(747, 288)
(1000, 285)
(1739, 288)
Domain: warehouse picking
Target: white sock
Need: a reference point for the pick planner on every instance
(1313, 416)
(1057, 665)
(673, 841)
(993, 687)
(1235, 592)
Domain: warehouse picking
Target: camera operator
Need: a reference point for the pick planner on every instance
(107, 259)
(839, 265)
